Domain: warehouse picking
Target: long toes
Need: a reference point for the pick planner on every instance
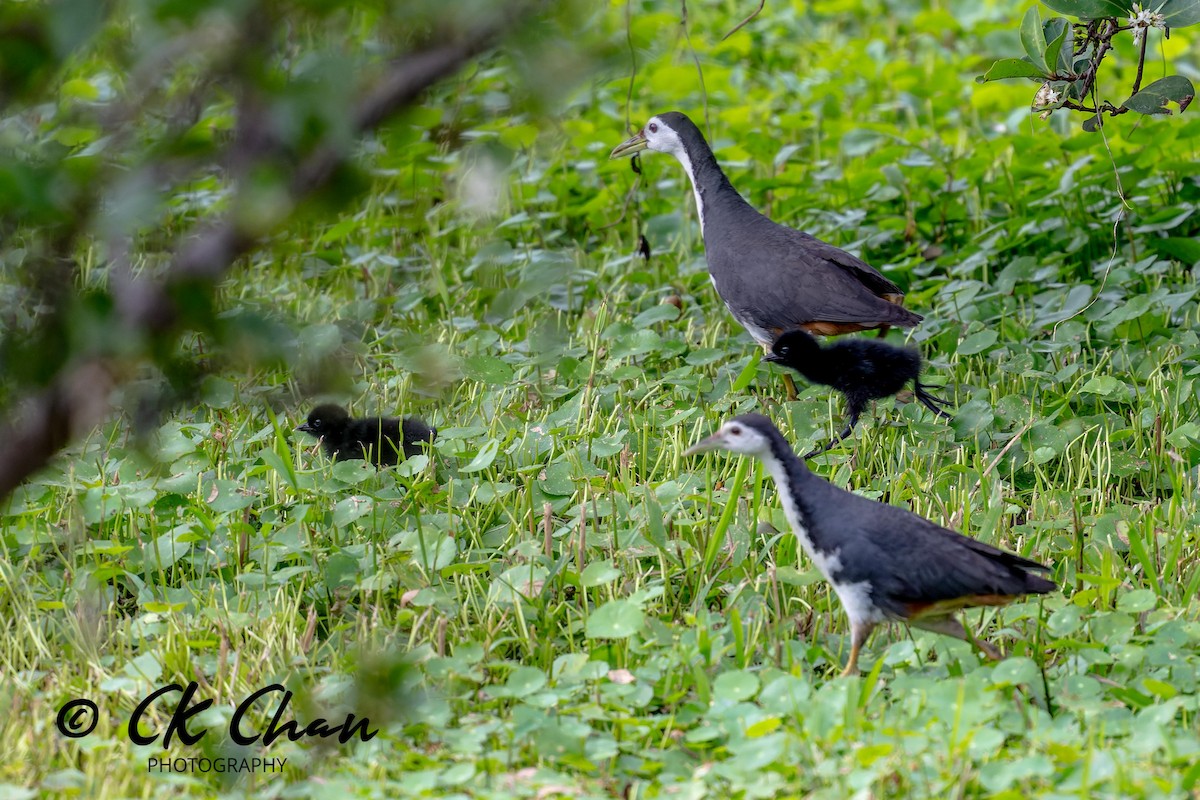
(941, 412)
(934, 404)
(924, 395)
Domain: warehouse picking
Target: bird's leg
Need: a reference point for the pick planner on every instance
(858, 637)
(952, 627)
(790, 386)
(883, 331)
(854, 414)
(788, 383)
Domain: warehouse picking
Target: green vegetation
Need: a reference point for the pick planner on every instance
(559, 603)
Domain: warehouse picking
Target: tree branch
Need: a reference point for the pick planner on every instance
(78, 398)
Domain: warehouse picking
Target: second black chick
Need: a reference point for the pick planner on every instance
(861, 369)
(381, 440)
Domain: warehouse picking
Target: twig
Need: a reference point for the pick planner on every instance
(78, 397)
(746, 21)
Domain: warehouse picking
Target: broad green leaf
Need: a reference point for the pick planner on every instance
(1137, 601)
(524, 681)
(973, 418)
(598, 573)
(340, 570)
(616, 619)
(977, 342)
(1159, 688)
(351, 508)
(436, 554)
(663, 312)
(1015, 670)
(1057, 32)
(1106, 386)
(1065, 621)
(747, 373)
(1033, 39)
(1011, 68)
(173, 545)
(1181, 13)
(522, 581)
(484, 458)
(487, 369)
(275, 461)
(1091, 9)
(1154, 98)
(353, 470)
(558, 480)
(735, 686)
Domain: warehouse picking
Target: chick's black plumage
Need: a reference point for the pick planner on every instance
(381, 440)
(862, 370)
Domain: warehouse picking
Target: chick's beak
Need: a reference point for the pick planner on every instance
(711, 443)
(634, 144)
(304, 428)
(771, 358)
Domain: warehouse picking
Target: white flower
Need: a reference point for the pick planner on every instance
(1047, 96)
(1143, 18)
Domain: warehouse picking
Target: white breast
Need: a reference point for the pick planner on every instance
(855, 597)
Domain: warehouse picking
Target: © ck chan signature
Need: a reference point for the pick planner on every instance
(78, 718)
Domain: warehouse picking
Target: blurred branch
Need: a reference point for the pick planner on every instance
(761, 4)
(77, 398)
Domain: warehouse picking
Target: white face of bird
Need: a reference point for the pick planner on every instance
(663, 139)
(656, 136)
(660, 137)
(736, 437)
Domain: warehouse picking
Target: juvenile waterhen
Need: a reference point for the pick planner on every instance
(884, 563)
(382, 440)
(861, 369)
(772, 278)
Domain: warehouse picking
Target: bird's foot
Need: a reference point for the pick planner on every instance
(790, 386)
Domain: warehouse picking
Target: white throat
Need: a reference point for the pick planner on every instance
(855, 597)
(792, 512)
(671, 143)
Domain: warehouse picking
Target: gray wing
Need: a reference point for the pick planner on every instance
(811, 281)
(913, 564)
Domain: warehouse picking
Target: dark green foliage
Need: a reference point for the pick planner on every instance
(556, 598)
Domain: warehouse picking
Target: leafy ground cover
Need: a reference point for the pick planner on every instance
(559, 603)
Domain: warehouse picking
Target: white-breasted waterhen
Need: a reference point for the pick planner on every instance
(884, 563)
(772, 278)
(861, 369)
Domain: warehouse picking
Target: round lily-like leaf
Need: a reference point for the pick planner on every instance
(616, 619)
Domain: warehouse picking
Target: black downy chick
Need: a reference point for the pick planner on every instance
(377, 439)
(861, 369)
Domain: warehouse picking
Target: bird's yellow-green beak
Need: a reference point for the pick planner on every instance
(634, 144)
(713, 442)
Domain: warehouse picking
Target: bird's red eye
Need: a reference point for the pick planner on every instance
(736, 430)
(653, 126)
